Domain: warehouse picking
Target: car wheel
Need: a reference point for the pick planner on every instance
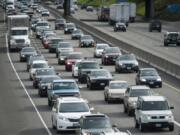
(165, 44)
(105, 98)
(141, 127)
(171, 128)
(160, 85)
(49, 103)
(40, 93)
(57, 131)
(136, 124)
(91, 86)
(125, 109)
(108, 100)
(129, 112)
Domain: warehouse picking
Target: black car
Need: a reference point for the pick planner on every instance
(53, 42)
(77, 34)
(110, 54)
(148, 76)
(60, 24)
(89, 9)
(45, 83)
(172, 38)
(126, 62)
(62, 57)
(83, 6)
(33, 58)
(69, 28)
(155, 25)
(40, 73)
(85, 68)
(86, 41)
(98, 78)
(26, 52)
(119, 27)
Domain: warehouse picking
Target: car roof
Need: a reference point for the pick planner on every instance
(71, 100)
(64, 80)
(139, 87)
(153, 98)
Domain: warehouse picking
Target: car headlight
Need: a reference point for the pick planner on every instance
(63, 118)
(169, 117)
(142, 80)
(106, 56)
(136, 63)
(22, 55)
(146, 117)
(159, 79)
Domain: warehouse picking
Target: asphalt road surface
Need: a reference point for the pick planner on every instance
(19, 117)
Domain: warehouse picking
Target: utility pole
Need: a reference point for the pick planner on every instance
(67, 7)
(149, 9)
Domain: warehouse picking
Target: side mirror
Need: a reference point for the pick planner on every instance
(171, 107)
(92, 109)
(54, 109)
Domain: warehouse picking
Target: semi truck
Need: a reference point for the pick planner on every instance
(18, 32)
(10, 4)
(122, 12)
(119, 13)
(103, 14)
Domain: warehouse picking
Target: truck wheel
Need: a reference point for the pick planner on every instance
(141, 127)
(171, 128)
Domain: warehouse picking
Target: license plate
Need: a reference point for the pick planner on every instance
(158, 125)
(129, 68)
(75, 124)
(151, 82)
(102, 84)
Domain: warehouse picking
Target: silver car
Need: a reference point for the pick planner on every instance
(99, 49)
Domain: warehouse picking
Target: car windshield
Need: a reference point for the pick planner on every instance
(121, 85)
(70, 25)
(60, 21)
(149, 73)
(101, 46)
(100, 73)
(113, 50)
(127, 57)
(28, 50)
(77, 31)
(96, 123)
(34, 58)
(42, 24)
(73, 107)
(19, 32)
(139, 92)
(65, 45)
(75, 56)
(40, 65)
(45, 72)
(173, 36)
(55, 41)
(87, 37)
(49, 79)
(155, 105)
(89, 65)
(64, 85)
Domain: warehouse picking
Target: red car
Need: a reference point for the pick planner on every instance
(71, 59)
(110, 55)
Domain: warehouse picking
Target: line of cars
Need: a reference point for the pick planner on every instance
(69, 110)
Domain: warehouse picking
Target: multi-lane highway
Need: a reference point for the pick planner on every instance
(22, 116)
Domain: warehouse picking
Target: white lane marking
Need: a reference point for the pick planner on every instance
(172, 87)
(23, 86)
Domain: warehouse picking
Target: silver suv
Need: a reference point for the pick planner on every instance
(153, 111)
(131, 95)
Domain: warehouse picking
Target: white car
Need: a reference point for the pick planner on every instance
(75, 69)
(45, 12)
(115, 91)
(67, 111)
(37, 64)
(153, 111)
(99, 49)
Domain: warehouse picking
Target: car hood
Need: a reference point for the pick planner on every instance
(74, 115)
(150, 77)
(89, 40)
(117, 91)
(101, 77)
(99, 50)
(158, 112)
(19, 37)
(28, 53)
(133, 99)
(128, 62)
(112, 54)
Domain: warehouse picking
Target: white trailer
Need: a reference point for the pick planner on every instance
(18, 31)
(119, 13)
(132, 12)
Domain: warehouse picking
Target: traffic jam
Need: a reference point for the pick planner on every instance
(64, 65)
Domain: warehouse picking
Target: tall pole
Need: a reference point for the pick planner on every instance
(149, 8)
(67, 8)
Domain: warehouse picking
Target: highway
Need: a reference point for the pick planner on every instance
(18, 115)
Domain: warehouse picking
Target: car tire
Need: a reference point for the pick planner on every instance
(91, 87)
(129, 112)
(160, 85)
(105, 98)
(49, 103)
(136, 124)
(171, 128)
(141, 127)
(125, 109)
(165, 44)
(108, 101)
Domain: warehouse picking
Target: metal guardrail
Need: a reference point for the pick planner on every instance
(173, 69)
